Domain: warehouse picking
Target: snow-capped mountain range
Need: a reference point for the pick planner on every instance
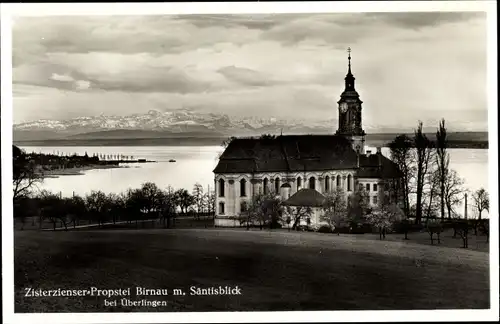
(164, 122)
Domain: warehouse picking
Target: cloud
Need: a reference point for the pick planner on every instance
(246, 76)
(417, 20)
(408, 66)
(61, 77)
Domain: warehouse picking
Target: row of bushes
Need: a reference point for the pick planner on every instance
(147, 202)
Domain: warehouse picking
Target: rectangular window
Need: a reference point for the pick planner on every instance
(243, 188)
(367, 187)
(221, 208)
(375, 200)
(375, 187)
(222, 184)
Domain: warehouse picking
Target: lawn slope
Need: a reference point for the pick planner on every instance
(275, 271)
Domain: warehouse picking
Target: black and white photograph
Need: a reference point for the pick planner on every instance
(248, 161)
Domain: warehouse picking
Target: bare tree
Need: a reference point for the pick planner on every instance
(401, 154)
(166, 207)
(384, 217)
(434, 227)
(25, 174)
(423, 152)
(482, 201)
(431, 195)
(297, 214)
(443, 162)
(452, 191)
(358, 206)
(96, 203)
(335, 209)
(184, 199)
(198, 197)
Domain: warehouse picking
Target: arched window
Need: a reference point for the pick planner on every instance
(265, 185)
(299, 183)
(338, 181)
(327, 183)
(243, 187)
(221, 187)
(349, 182)
(221, 208)
(312, 183)
(277, 185)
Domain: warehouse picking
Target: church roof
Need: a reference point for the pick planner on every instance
(298, 153)
(377, 166)
(307, 198)
(287, 153)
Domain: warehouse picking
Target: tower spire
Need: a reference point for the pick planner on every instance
(349, 78)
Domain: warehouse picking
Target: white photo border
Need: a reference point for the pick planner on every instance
(8, 11)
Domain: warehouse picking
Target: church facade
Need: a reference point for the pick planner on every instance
(285, 164)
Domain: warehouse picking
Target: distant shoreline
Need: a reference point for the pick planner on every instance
(76, 171)
(466, 140)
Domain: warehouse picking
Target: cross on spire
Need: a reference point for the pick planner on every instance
(349, 58)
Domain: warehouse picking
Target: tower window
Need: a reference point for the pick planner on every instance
(299, 183)
(312, 183)
(221, 208)
(349, 184)
(243, 187)
(327, 183)
(338, 181)
(367, 187)
(266, 184)
(277, 185)
(221, 187)
(375, 187)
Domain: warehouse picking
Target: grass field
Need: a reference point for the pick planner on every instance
(276, 271)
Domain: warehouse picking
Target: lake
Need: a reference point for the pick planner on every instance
(195, 164)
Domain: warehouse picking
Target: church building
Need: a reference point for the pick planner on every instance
(286, 164)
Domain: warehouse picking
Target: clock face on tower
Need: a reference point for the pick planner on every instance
(343, 106)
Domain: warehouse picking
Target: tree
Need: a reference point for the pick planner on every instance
(384, 217)
(184, 199)
(335, 209)
(25, 173)
(297, 214)
(134, 204)
(443, 162)
(77, 210)
(482, 201)
(150, 197)
(401, 154)
(209, 201)
(452, 191)
(96, 203)
(166, 207)
(358, 206)
(423, 152)
(430, 204)
(198, 198)
(434, 226)
(53, 208)
(264, 208)
(115, 206)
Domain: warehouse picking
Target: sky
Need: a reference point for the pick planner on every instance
(408, 66)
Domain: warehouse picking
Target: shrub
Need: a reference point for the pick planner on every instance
(325, 229)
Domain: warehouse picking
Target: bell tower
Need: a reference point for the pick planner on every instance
(350, 121)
